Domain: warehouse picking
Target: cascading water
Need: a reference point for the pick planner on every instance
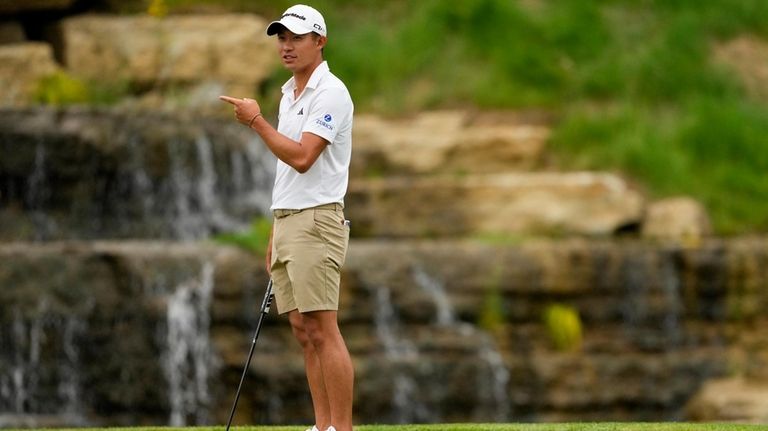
(31, 393)
(38, 194)
(188, 359)
(492, 381)
(407, 407)
(136, 177)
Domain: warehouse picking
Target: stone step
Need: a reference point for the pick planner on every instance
(229, 50)
(447, 142)
(584, 203)
(22, 66)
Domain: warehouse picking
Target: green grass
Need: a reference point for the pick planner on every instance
(488, 427)
(255, 239)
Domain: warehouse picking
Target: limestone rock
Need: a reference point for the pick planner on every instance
(676, 218)
(232, 49)
(653, 313)
(15, 6)
(731, 400)
(518, 203)
(445, 141)
(22, 65)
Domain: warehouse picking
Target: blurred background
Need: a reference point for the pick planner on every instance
(559, 211)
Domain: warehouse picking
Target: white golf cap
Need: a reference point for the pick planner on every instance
(299, 19)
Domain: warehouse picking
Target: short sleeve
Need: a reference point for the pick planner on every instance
(328, 113)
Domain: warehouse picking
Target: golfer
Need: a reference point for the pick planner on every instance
(308, 245)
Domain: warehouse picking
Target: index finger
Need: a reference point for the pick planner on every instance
(233, 100)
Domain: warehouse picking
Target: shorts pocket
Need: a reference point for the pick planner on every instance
(335, 235)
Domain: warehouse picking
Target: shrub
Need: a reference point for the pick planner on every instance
(255, 240)
(60, 88)
(563, 327)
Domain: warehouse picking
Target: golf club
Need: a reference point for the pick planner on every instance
(264, 311)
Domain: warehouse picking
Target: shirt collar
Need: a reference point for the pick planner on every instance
(320, 71)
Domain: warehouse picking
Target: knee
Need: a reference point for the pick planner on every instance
(301, 335)
(314, 334)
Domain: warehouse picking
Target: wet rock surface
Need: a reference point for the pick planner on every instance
(153, 332)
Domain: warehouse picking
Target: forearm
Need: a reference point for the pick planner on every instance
(291, 152)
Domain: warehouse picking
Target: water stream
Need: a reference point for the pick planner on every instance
(188, 360)
(492, 381)
(407, 406)
(29, 391)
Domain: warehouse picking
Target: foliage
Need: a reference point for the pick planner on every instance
(255, 240)
(563, 327)
(492, 314)
(157, 8)
(60, 88)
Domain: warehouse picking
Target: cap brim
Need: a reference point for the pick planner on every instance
(276, 26)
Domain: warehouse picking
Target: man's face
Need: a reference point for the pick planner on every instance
(298, 51)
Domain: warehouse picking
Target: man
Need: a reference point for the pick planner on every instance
(310, 235)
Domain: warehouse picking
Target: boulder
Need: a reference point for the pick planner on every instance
(22, 65)
(730, 400)
(515, 203)
(445, 141)
(232, 50)
(676, 218)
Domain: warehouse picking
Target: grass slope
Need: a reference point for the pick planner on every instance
(633, 82)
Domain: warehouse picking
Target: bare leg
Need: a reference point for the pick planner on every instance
(314, 372)
(337, 372)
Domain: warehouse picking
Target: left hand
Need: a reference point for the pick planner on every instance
(245, 109)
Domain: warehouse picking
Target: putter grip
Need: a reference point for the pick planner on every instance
(267, 299)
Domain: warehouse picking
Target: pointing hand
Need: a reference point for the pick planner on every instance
(246, 110)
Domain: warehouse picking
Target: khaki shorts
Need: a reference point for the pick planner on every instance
(308, 250)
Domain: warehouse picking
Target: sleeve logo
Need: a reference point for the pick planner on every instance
(325, 121)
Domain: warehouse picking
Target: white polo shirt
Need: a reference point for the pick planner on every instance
(325, 109)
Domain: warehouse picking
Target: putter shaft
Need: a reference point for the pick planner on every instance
(265, 304)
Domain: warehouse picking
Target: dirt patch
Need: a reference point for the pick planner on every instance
(747, 56)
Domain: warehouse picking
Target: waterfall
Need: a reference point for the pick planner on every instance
(408, 408)
(140, 180)
(25, 380)
(492, 380)
(111, 175)
(673, 307)
(187, 361)
(435, 289)
(70, 385)
(206, 189)
(38, 194)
